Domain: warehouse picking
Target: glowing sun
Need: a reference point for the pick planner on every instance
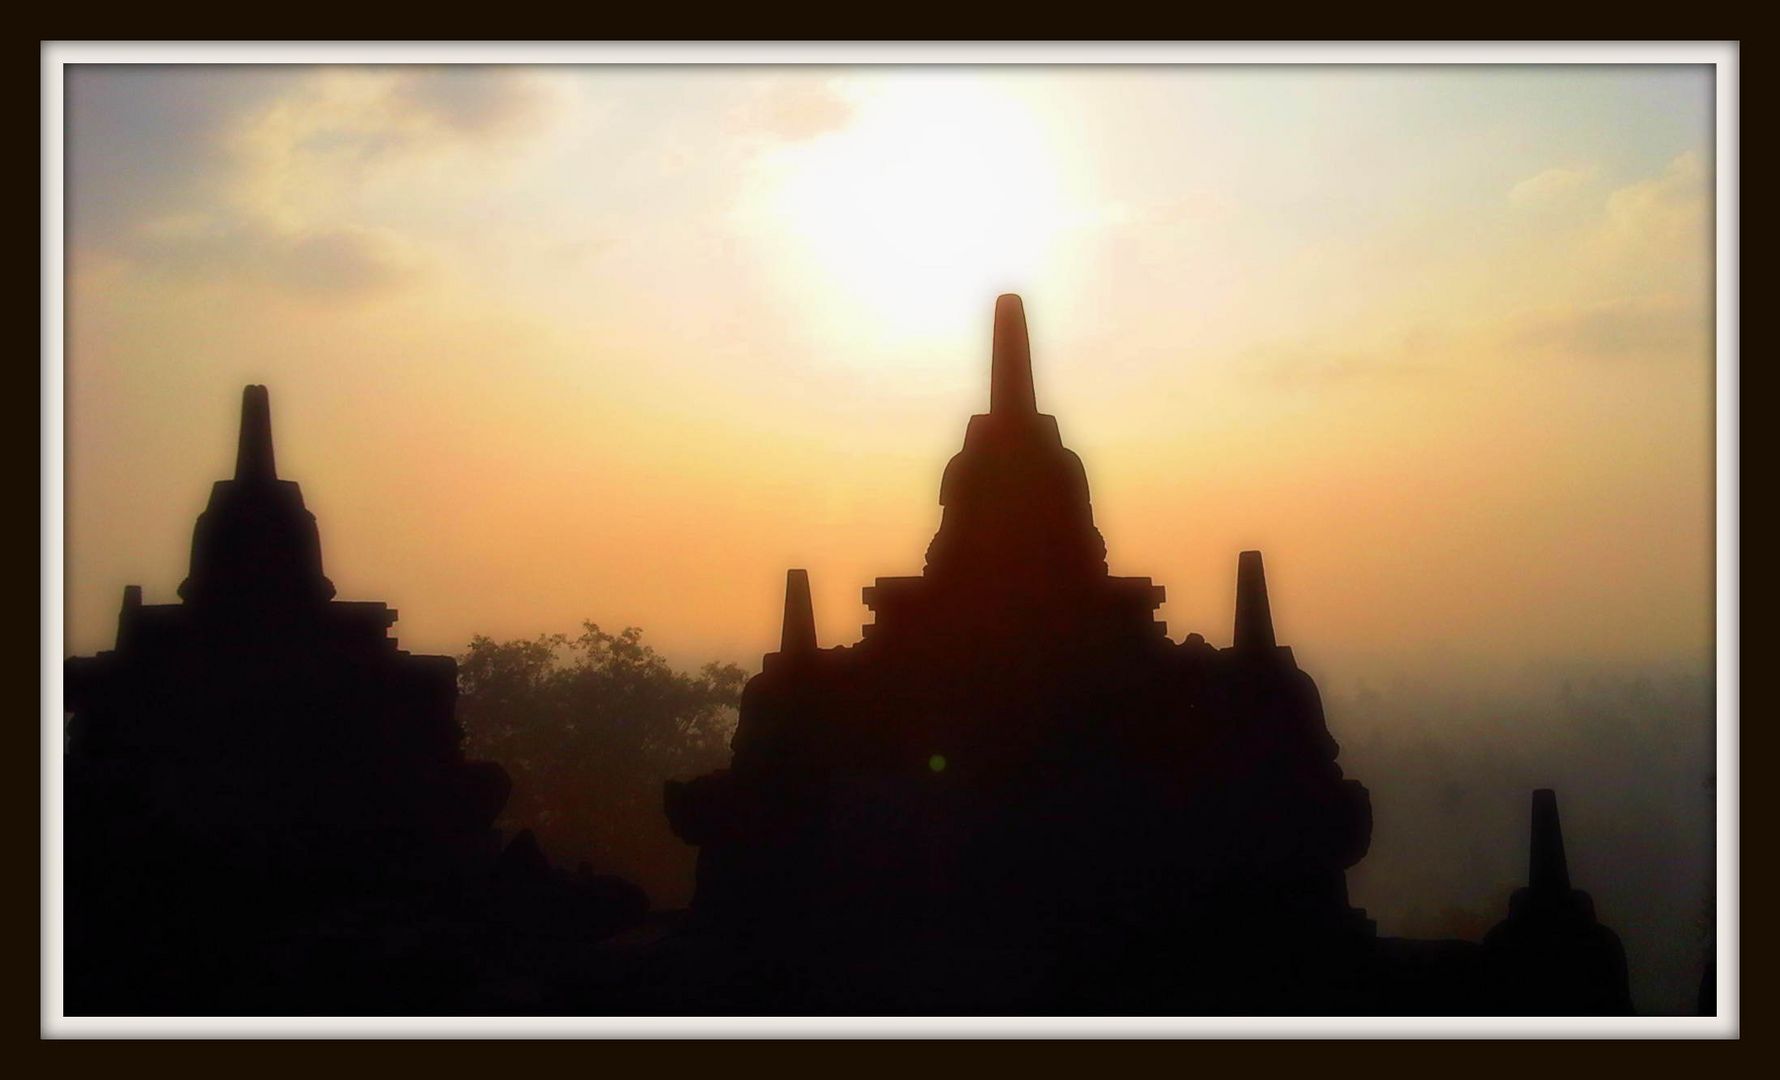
(941, 192)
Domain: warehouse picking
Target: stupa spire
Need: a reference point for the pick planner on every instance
(1010, 375)
(253, 454)
(1548, 871)
(255, 543)
(1254, 616)
(799, 633)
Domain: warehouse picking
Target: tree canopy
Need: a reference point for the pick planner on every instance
(589, 727)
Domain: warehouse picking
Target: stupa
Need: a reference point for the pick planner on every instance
(268, 802)
(1015, 751)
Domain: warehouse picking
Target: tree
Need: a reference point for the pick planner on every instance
(589, 728)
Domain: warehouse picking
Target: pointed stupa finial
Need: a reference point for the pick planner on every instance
(1254, 617)
(253, 454)
(1547, 870)
(1010, 374)
(128, 613)
(799, 633)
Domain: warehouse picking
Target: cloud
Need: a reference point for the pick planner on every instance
(796, 109)
(1550, 186)
(1630, 328)
(316, 149)
(1649, 242)
(319, 263)
(275, 182)
(1628, 273)
(1667, 212)
(1306, 366)
(1411, 353)
(473, 101)
(1646, 328)
(142, 141)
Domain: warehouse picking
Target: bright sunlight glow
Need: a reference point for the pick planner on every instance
(941, 191)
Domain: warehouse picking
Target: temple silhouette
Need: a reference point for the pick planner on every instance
(1014, 794)
(1016, 765)
(257, 770)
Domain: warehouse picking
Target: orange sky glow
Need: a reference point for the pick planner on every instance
(553, 344)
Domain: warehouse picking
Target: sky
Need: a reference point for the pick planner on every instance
(553, 344)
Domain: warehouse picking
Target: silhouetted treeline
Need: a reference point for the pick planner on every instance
(589, 727)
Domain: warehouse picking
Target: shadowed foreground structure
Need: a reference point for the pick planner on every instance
(268, 806)
(1015, 795)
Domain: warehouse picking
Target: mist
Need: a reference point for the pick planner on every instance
(1450, 761)
(1450, 754)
